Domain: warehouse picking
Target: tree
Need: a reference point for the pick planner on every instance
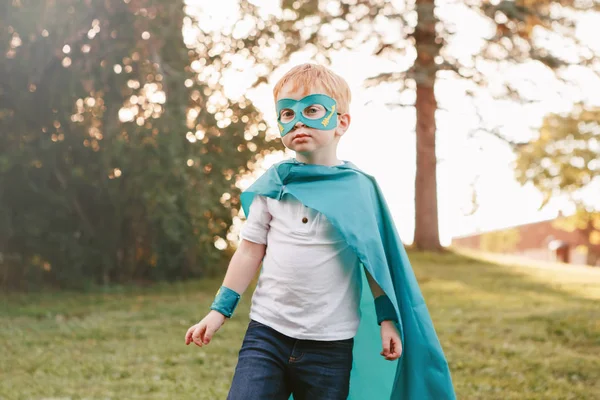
(425, 38)
(119, 152)
(563, 160)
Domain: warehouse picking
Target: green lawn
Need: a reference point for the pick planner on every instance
(509, 333)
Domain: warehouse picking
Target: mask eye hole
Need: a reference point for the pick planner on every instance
(286, 115)
(315, 111)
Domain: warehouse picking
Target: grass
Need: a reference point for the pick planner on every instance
(509, 332)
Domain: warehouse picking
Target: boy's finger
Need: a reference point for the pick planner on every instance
(208, 335)
(393, 354)
(386, 346)
(390, 354)
(398, 346)
(197, 335)
(188, 335)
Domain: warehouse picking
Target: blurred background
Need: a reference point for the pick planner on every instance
(128, 129)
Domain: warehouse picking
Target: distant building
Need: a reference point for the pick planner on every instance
(539, 241)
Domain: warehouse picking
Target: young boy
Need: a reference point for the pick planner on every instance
(322, 231)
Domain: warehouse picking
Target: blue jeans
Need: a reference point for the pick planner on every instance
(271, 366)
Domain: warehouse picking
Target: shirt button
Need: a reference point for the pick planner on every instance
(304, 220)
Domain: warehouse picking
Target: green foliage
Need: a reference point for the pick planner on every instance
(564, 160)
(564, 157)
(115, 153)
(507, 332)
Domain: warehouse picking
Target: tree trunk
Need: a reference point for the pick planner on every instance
(425, 68)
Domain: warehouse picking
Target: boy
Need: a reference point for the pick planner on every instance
(305, 217)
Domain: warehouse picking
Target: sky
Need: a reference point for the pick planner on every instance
(381, 140)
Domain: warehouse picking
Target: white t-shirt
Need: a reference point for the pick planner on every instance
(309, 286)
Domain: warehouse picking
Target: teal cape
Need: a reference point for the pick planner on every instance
(353, 202)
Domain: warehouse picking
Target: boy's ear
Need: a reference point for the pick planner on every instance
(343, 124)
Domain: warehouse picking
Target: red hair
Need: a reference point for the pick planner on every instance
(313, 76)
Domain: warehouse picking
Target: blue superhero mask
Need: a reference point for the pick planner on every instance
(316, 111)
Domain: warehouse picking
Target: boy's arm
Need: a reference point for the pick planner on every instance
(251, 251)
(243, 265)
(242, 268)
(375, 289)
(383, 306)
(390, 339)
(247, 258)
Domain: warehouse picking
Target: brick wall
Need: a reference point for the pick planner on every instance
(534, 239)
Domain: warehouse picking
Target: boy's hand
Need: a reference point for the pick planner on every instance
(203, 331)
(390, 339)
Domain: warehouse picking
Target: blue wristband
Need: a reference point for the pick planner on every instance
(385, 309)
(225, 301)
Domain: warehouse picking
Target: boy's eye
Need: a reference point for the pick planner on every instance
(315, 111)
(286, 115)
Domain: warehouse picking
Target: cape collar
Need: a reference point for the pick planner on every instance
(345, 165)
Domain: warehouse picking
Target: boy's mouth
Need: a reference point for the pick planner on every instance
(300, 135)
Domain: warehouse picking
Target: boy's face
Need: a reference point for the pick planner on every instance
(303, 139)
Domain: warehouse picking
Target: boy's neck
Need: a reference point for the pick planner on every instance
(329, 160)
